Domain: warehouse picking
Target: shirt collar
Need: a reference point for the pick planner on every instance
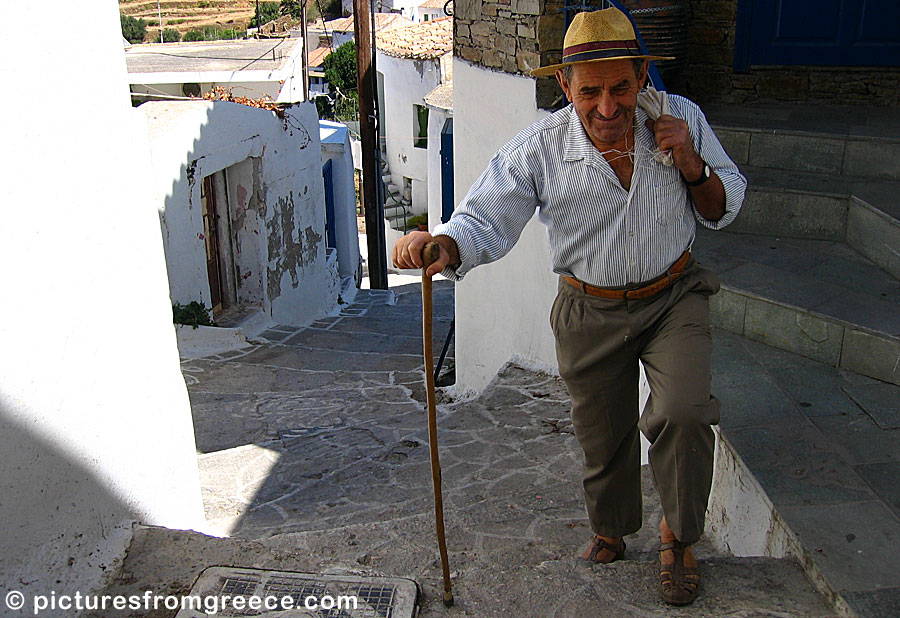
(577, 145)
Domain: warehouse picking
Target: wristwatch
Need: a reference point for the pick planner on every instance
(703, 177)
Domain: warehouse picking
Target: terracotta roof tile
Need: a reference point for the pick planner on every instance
(436, 4)
(422, 41)
(318, 55)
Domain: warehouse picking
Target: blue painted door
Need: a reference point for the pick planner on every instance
(328, 177)
(447, 204)
(819, 32)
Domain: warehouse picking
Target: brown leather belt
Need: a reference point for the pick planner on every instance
(657, 285)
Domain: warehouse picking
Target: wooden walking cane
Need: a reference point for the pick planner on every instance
(430, 254)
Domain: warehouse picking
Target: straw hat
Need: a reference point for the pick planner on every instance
(598, 35)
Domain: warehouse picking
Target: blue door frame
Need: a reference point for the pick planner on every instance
(817, 33)
(328, 178)
(447, 204)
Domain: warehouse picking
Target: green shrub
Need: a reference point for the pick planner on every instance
(193, 314)
(193, 35)
(171, 35)
(340, 67)
(133, 29)
(267, 12)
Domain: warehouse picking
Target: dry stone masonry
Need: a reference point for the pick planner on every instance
(515, 36)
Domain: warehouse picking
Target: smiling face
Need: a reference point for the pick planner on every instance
(605, 97)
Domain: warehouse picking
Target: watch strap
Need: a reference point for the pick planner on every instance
(704, 176)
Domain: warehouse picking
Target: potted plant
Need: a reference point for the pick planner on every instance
(419, 222)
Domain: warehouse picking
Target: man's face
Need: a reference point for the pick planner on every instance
(605, 96)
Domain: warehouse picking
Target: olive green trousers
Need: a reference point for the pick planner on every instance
(599, 343)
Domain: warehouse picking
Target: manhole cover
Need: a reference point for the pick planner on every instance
(230, 591)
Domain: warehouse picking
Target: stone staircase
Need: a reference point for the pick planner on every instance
(812, 263)
(808, 374)
(397, 201)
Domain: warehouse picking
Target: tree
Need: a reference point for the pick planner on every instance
(340, 72)
(171, 35)
(340, 67)
(133, 29)
(268, 11)
(294, 8)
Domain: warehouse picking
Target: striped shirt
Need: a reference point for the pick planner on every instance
(599, 232)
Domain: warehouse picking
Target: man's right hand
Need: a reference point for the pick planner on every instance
(408, 252)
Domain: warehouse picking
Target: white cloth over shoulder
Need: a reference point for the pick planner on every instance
(656, 103)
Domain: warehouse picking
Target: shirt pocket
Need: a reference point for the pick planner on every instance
(667, 199)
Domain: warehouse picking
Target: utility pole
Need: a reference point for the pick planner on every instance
(365, 88)
(305, 52)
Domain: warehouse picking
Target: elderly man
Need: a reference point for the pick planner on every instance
(621, 223)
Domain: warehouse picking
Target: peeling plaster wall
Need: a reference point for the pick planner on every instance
(406, 82)
(95, 421)
(276, 202)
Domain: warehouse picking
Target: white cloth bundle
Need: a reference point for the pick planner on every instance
(656, 103)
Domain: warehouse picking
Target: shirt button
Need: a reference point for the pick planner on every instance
(631, 232)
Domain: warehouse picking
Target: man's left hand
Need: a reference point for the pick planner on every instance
(672, 133)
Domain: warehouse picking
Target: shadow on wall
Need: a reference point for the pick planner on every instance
(41, 540)
(243, 221)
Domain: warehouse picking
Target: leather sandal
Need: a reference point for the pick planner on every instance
(598, 544)
(678, 584)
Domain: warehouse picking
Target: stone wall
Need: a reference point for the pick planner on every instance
(498, 34)
(516, 36)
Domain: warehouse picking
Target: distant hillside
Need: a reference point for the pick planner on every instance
(184, 16)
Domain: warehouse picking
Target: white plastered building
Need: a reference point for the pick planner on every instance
(411, 62)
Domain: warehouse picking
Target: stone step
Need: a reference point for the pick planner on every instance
(806, 467)
(397, 222)
(861, 212)
(817, 298)
(830, 139)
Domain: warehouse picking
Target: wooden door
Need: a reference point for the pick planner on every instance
(211, 239)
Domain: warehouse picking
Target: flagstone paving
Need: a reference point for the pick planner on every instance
(314, 458)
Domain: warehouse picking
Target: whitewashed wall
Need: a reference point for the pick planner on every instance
(95, 422)
(406, 82)
(337, 149)
(502, 309)
(277, 208)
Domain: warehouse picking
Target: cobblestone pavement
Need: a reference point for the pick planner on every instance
(315, 459)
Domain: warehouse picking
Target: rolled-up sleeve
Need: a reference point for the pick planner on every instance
(710, 150)
(491, 217)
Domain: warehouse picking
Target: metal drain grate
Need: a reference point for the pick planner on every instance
(310, 595)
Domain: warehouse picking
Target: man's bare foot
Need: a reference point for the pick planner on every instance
(604, 549)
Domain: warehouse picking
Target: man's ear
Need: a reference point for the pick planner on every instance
(563, 83)
(645, 70)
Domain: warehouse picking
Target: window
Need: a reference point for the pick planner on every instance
(420, 126)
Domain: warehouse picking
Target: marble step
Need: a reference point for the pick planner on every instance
(817, 298)
(840, 140)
